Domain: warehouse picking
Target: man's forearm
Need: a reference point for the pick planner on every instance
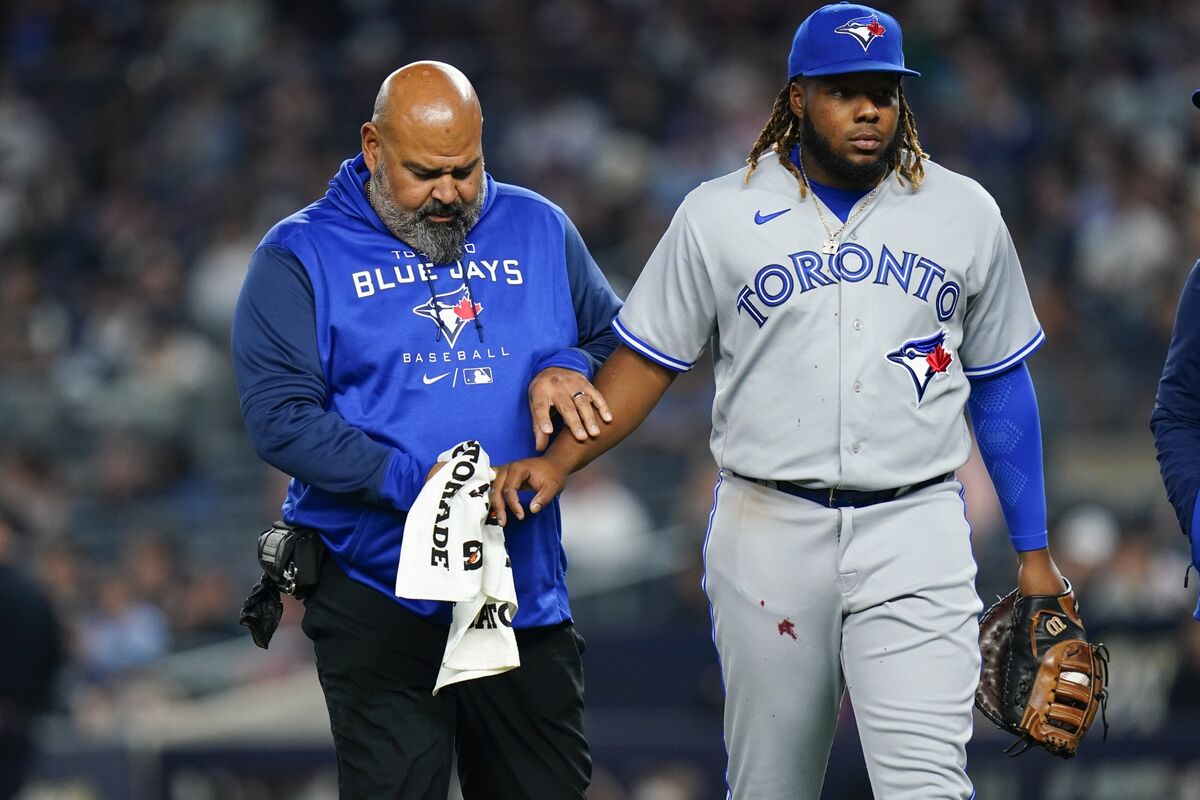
(632, 386)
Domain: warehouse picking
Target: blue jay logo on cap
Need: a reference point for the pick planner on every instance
(864, 29)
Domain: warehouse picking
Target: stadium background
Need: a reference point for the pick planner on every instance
(145, 147)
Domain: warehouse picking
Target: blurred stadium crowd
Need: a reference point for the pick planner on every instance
(145, 148)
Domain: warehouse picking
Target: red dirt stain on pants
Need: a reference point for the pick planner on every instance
(787, 628)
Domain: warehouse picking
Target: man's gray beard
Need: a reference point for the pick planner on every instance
(441, 242)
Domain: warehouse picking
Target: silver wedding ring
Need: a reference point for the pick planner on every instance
(577, 395)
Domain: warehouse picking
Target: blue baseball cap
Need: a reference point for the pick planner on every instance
(844, 37)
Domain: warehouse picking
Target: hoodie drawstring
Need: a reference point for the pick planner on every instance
(433, 303)
(471, 300)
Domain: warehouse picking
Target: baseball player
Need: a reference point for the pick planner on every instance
(1176, 417)
(857, 299)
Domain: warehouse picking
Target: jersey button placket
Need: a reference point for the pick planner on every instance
(854, 415)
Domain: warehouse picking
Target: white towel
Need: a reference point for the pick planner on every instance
(451, 553)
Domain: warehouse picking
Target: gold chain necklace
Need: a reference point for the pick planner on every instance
(831, 245)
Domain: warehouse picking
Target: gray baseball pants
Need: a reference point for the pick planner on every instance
(809, 602)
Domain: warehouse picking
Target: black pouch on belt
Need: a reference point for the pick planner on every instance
(291, 562)
(291, 557)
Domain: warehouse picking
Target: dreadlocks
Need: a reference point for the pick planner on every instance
(782, 133)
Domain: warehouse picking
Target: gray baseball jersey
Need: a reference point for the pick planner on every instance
(846, 370)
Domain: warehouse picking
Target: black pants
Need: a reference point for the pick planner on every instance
(518, 735)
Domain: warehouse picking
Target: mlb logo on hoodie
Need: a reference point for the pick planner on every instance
(477, 375)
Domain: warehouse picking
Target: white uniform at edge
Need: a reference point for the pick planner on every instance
(846, 371)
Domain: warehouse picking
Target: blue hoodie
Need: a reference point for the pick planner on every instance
(358, 362)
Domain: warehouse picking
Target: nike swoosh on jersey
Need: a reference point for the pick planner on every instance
(760, 218)
(428, 380)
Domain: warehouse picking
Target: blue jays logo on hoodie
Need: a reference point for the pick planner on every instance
(864, 29)
(925, 360)
(450, 311)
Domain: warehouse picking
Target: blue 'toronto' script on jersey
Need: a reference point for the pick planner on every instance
(806, 270)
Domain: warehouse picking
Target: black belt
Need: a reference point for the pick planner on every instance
(841, 498)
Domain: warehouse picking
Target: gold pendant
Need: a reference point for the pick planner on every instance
(830, 247)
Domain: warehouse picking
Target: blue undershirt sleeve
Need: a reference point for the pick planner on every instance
(283, 393)
(595, 306)
(1004, 414)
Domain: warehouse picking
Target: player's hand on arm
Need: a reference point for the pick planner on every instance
(1038, 574)
(542, 475)
(632, 386)
(578, 402)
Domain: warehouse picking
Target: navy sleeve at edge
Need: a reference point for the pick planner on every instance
(1004, 414)
(1175, 420)
(283, 393)
(595, 307)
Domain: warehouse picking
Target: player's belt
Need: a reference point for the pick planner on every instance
(841, 498)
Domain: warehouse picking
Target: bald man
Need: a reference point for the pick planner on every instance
(417, 304)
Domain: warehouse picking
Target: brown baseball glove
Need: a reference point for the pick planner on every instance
(1041, 678)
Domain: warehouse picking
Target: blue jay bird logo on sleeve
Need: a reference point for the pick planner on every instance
(450, 311)
(864, 29)
(925, 359)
